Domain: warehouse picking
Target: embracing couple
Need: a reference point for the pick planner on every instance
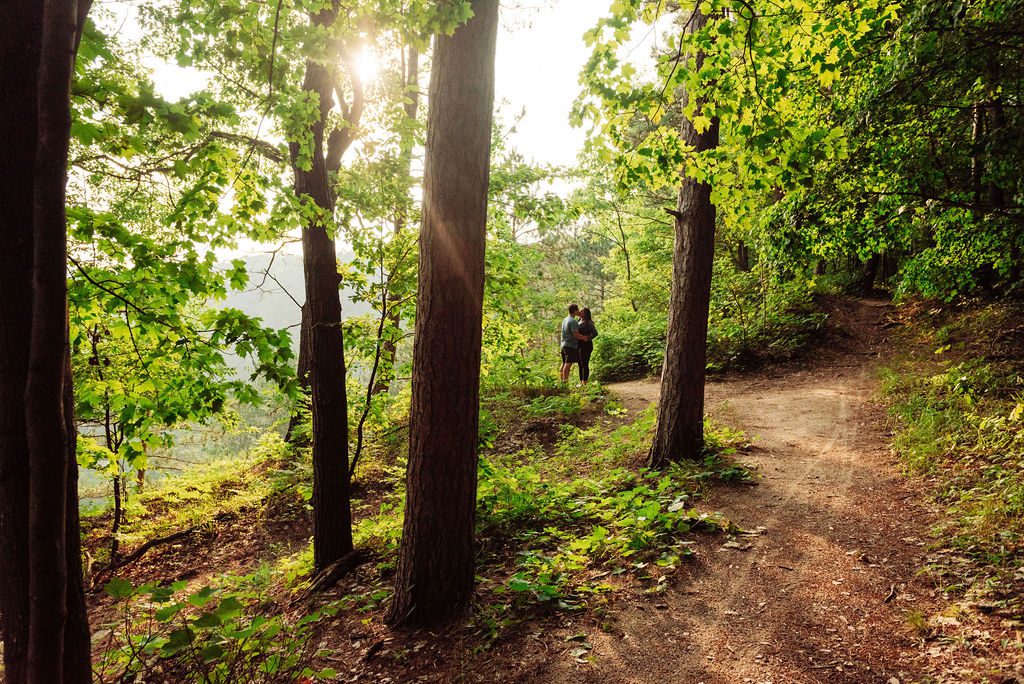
(577, 342)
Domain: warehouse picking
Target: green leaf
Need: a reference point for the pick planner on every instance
(166, 613)
(202, 597)
(119, 588)
(207, 620)
(519, 584)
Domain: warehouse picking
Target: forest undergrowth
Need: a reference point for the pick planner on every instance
(567, 516)
(956, 397)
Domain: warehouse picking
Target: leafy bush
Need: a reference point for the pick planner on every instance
(752, 315)
(566, 523)
(630, 345)
(168, 634)
(555, 404)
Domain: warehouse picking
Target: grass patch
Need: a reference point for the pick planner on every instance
(961, 427)
(554, 523)
(561, 524)
(958, 405)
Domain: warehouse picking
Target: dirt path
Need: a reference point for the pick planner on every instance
(824, 593)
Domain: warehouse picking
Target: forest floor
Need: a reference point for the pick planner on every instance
(824, 585)
(831, 590)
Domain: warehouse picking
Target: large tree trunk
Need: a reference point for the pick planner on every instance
(20, 27)
(332, 517)
(680, 428)
(41, 598)
(435, 567)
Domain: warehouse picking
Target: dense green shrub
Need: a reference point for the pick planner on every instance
(753, 315)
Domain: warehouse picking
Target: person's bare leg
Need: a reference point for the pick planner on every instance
(564, 375)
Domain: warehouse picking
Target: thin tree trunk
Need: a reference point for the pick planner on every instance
(623, 245)
(305, 354)
(742, 256)
(332, 518)
(435, 568)
(115, 527)
(977, 169)
(869, 272)
(994, 125)
(77, 652)
(389, 350)
(302, 371)
(680, 428)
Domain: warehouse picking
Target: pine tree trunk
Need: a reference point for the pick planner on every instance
(332, 518)
(679, 433)
(42, 607)
(435, 568)
(20, 26)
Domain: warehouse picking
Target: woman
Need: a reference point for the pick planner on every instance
(588, 330)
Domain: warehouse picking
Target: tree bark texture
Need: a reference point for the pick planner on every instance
(42, 605)
(20, 28)
(679, 433)
(435, 568)
(332, 518)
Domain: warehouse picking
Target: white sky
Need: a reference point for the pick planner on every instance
(540, 54)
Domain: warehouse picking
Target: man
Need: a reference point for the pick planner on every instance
(571, 339)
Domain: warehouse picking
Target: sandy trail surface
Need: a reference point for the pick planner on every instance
(822, 590)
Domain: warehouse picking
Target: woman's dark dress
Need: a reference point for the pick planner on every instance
(588, 329)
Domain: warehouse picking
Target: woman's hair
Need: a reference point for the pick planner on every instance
(585, 312)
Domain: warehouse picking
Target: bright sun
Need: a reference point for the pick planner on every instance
(367, 66)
